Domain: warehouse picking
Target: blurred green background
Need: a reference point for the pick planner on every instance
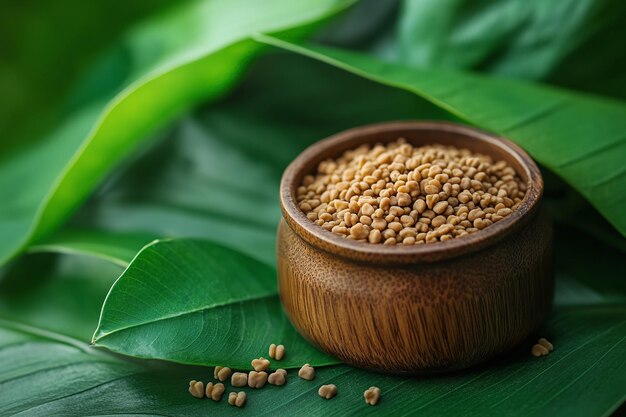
(125, 122)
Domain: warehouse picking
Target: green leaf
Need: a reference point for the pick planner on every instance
(570, 44)
(190, 183)
(37, 74)
(527, 39)
(46, 374)
(579, 137)
(195, 302)
(162, 68)
(59, 293)
(119, 248)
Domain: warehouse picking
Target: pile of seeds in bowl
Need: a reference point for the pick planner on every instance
(398, 193)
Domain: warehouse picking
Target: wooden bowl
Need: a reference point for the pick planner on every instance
(424, 308)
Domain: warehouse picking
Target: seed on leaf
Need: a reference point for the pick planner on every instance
(278, 378)
(260, 364)
(237, 398)
(327, 391)
(196, 388)
(372, 395)
(239, 379)
(307, 372)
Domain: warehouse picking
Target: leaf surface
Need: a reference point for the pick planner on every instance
(584, 376)
(195, 302)
(581, 138)
(158, 71)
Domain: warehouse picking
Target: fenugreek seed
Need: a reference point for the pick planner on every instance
(260, 364)
(257, 379)
(379, 224)
(222, 373)
(367, 209)
(372, 395)
(440, 207)
(307, 372)
(374, 236)
(327, 391)
(340, 230)
(539, 350)
(372, 186)
(420, 206)
(390, 241)
(475, 214)
(239, 379)
(214, 392)
(196, 388)
(408, 241)
(395, 226)
(431, 200)
(237, 398)
(404, 199)
(407, 220)
(277, 378)
(544, 342)
(279, 353)
(359, 231)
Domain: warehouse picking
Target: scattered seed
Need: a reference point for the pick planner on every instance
(372, 395)
(257, 379)
(214, 392)
(239, 379)
(222, 373)
(237, 398)
(277, 352)
(327, 391)
(196, 388)
(372, 190)
(278, 378)
(544, 342)
(539, 350)
(307, 372)
(260, 364)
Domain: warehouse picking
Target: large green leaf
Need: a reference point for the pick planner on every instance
(195, 302)
(567, 43)
(570, 44)
(581, 138)
(38, 66)
(46, 374)
(59, 293)
(163, 67)
(190, 183)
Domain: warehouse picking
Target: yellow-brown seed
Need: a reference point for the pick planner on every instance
(277, 352)
(260, 364)
(257, 379)
(237, 399)
(222, 373)
(383, 187)
(327, 391)
(278, 378)
(196, 388)
(372, 395)
(544, 342)
(214, 392)
(239, 379)
(307, 372)
(539, 350)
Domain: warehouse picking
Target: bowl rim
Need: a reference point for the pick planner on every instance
(405, 254)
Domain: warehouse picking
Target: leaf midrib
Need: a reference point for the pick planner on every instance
(101, 335)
